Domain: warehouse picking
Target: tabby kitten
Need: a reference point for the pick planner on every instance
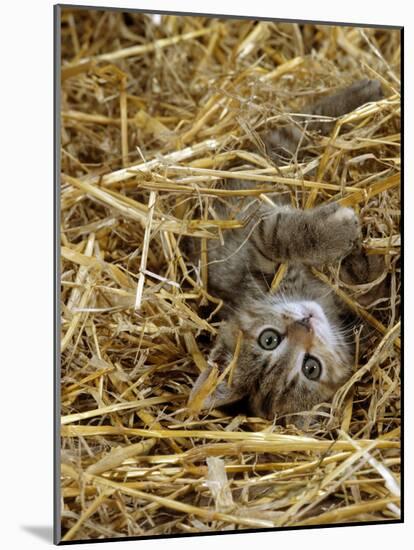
(293, 351)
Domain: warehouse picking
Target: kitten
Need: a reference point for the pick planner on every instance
(293, 350)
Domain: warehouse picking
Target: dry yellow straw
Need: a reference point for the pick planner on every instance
(84, 64)
(354, 306)
(145, 248)
(152, 107)
(209, 515)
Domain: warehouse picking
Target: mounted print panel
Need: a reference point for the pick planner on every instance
(229, 211)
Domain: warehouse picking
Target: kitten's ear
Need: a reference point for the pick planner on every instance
(222, 395)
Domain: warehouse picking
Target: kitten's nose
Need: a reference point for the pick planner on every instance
(301, 332)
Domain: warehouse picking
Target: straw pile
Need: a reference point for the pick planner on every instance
(155, 112)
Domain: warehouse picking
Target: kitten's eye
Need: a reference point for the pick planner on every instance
(311, 367)
(269, 339)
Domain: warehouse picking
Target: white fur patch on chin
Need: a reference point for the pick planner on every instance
(301, 309)
(314, 309)
(319, 321)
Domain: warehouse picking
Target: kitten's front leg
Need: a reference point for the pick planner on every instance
(316, 236)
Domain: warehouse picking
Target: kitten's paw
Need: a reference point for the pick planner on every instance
(358, 268)
(343, 215)
(365, 91)
(344, 228)
(339, 230)
(347, 99)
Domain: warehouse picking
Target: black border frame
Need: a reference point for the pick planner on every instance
(56, 275)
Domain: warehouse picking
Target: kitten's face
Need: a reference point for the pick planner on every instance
(292, 356)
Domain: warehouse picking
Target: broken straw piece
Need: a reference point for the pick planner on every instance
(218, 484)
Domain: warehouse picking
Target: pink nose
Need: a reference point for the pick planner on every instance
(301, 331)
(305, 323)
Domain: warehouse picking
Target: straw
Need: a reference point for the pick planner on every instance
(160, 118)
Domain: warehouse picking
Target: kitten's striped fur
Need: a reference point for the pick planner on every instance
(304, 313)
